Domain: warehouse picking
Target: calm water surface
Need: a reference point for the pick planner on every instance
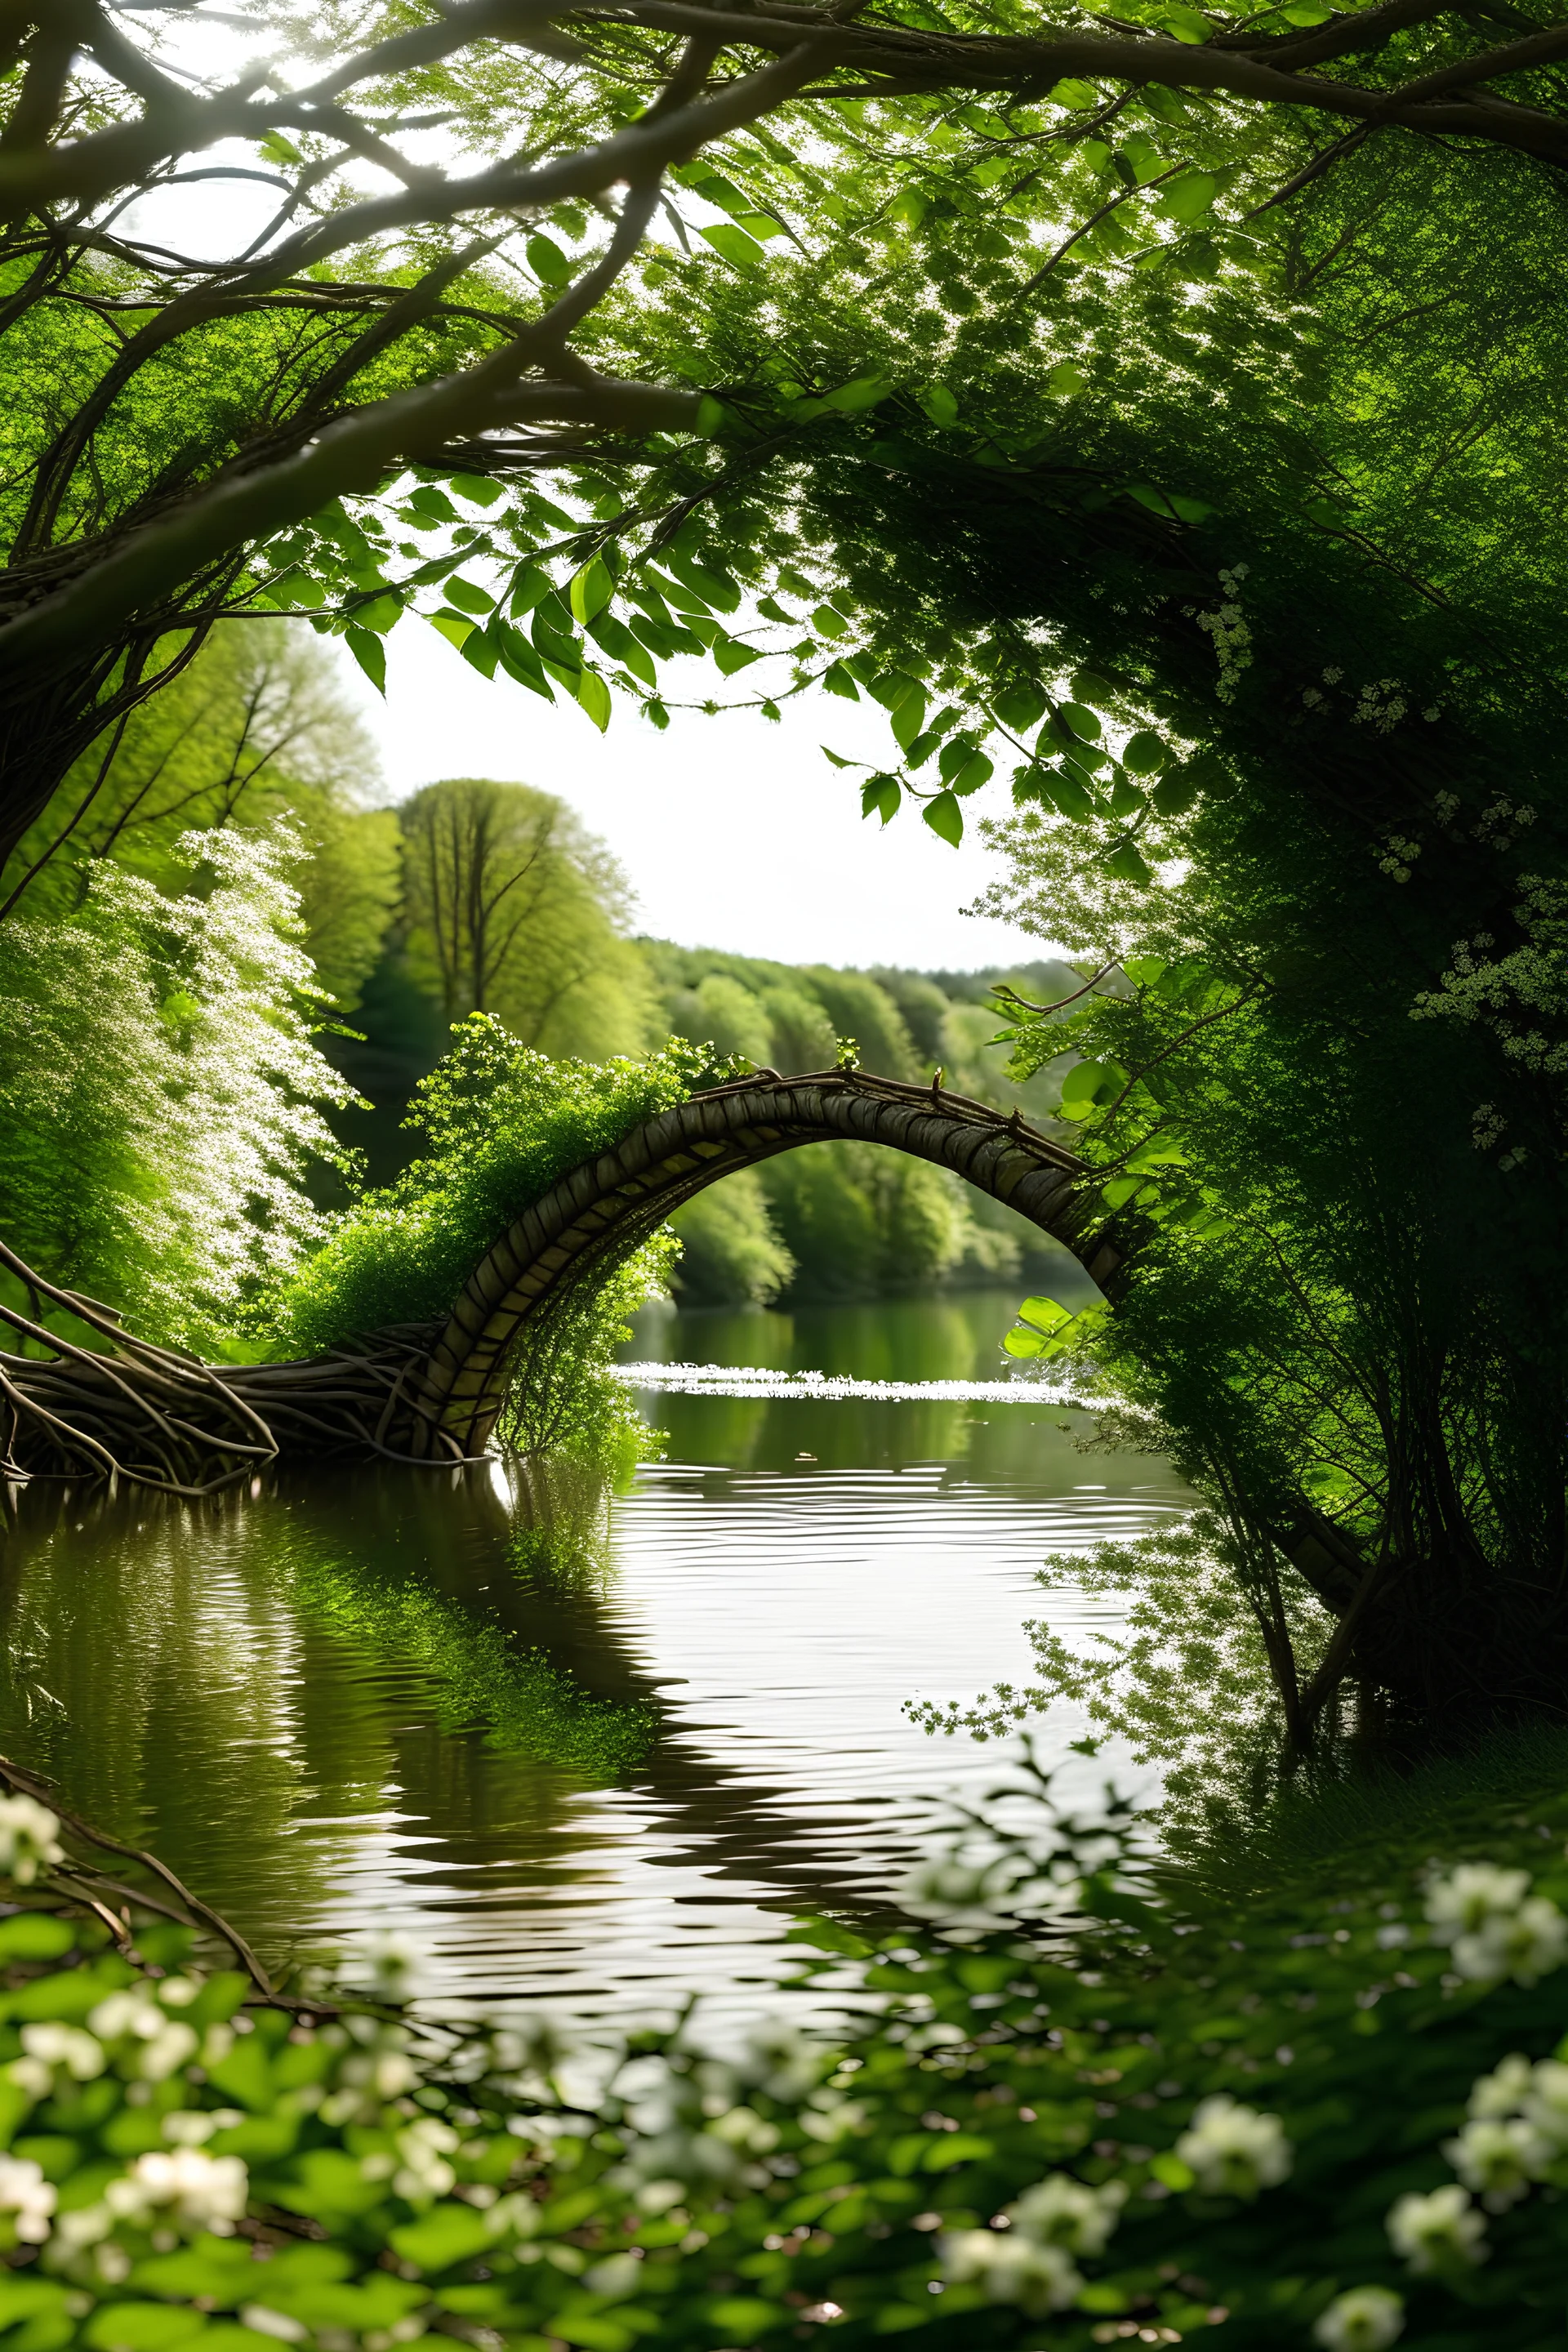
(598, 1753)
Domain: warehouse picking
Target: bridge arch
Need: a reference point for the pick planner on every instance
(609, 1204)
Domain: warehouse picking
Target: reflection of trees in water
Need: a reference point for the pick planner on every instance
(279, 1694)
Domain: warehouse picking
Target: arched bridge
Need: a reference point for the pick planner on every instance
(433, 1392)
(619, 1198)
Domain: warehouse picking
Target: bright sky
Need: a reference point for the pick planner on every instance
(734, 832)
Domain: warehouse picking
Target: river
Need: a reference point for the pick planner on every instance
(594, 1752)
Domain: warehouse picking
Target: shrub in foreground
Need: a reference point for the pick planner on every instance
(1339, 2119)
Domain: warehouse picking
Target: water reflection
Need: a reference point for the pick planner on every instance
(596, 1753)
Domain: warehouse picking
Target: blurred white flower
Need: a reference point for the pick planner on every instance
(748, 2133)
(184, 2186)
(1010, 2268)
(1366, 2319)
(1498, 2160)
(1544, 2105)
(393, 1957)
(50, 2050)
(424, 2149)
(1503, 2091)
(25, 2193)
(1462, 1903)
(29, 1838)
(1233, 2150)
(1439, 2232)
(1525, 1944)
(1062, 2212)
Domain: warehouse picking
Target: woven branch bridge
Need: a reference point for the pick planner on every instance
(432, 1393)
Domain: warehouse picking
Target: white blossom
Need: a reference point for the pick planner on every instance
(1062, 2212)
(1525, 1944)
(29, 1838)
(25, 2193)
(424, 2149)
(1010, 2268)
(1503, 2092)
(1233, 2150)
(184, 2184)
(1462, 1903)
(51, 2049)
(1439, 2232)
(1498, 2160)
(1366, 2319)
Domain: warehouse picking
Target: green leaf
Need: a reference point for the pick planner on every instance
(595, 697)
(1068, 789)
(881, 796)
(1084, 722)
(468, 597)
(715, 588)
(975, 770)
(909, 719)
(478, 488)
(142, 2326)
(381, 616)
(1023, 1344)
(591, 589)
(731, 655)
(1046, 1313)
(944, 814)
(1188, 196)
(712, 416)
(1176, 791)
(621, 645)
(1077, 95)
(478, 649)
(1088, 1083)
(732, 244)
(1186, 25)
(1065, 379)
(432, 503)
(371, 655)
(1126, 863)
(547, 261)
(1169, 2168)
(838, 680)
(1018, 707)
(277, 148)
(827, 623)
(446, 2234)
(864, 392)
(1145, 753)
(938, 404)
(35, 1936)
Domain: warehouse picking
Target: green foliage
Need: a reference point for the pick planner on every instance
(731, 1251)
(500, 1122)
(160, 1091)
(253, 730)
(1189, 2116)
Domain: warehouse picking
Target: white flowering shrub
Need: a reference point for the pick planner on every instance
(161, 1091)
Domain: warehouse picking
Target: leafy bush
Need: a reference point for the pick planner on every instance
(1086, 2105)
(501, 1123)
